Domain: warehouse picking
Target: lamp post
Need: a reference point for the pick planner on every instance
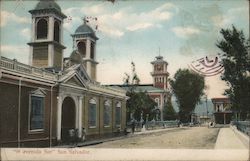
(206, 104)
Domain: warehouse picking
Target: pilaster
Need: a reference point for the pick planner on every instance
(88, 47)
(59, 117)
(80, 98)
(51, 29)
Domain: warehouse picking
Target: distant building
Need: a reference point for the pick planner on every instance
(158, 91)
(41, 103)
(222, 110)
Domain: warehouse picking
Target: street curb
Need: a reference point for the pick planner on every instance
(243, 137)
(89, 143)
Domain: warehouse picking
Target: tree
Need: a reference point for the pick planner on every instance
(168, 112)
(138, 102)
(188, 88)
(236, 62)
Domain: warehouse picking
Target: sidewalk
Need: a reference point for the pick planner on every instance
(98, 141)
(228, 140)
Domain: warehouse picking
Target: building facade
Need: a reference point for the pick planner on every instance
(158, 91)
(222, 110)
(45, 102)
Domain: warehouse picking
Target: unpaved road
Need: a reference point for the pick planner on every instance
(182, 138)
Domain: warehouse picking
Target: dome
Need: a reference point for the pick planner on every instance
(86, 30)
(47, 4)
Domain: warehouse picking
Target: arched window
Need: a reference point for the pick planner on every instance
(42, 29)
(82, 48)
(92, 113)
(57, 31)
(92, 51)
(107, 113)
(118, 114)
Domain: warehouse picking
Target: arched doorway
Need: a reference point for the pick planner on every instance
(68, 118)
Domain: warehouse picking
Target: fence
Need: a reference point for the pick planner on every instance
(243, 126)
(152, 125)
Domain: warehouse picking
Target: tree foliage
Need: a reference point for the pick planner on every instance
(188, 88)
(236, 62)
(168, 112)
(138, 102)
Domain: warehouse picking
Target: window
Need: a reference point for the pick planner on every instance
(36, 112)
(92, 52)
(42, 29)
(118, 114)
(82, 48)
(107, 113)
(92, 113)
(57, 31)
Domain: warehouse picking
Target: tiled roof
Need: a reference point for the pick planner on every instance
(141, 88)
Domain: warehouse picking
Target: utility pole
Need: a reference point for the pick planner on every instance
(206, 105)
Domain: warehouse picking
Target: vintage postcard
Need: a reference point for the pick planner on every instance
(124, 80)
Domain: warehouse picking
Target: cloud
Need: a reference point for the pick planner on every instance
(185, 32)
(26, 33)
(7, 17)
(139, 26)
(19, 52)
(115, 23)
(230, 17)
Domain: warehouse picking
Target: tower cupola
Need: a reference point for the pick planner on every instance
(46, 49)
(84, 42)
(160, 73)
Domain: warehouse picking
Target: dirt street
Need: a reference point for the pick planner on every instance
(194, 137)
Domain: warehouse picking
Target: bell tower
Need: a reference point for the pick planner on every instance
(46, 49)
(84, 43)
(160, 73)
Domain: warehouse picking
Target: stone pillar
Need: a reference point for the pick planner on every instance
(51, 29)
(51, 38)
(59, 117)
(33, 29)
(31, 56)
(80, 116)
(51, 55)
(88, 47)
(88, 65)
(77, 112)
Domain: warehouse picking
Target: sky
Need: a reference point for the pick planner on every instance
(179, 30)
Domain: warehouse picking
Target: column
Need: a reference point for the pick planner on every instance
(88, 65)
(224, 118)
(80, 116)
(51, 55)
(31, 56)
(51, 29)
(77, 112)
(162, 105)
(59, 117)
(61, 32)
(33, 29)
(88, 47)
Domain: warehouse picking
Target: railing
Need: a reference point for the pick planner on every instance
(111, 90)
(14, 65)
(243, 126)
